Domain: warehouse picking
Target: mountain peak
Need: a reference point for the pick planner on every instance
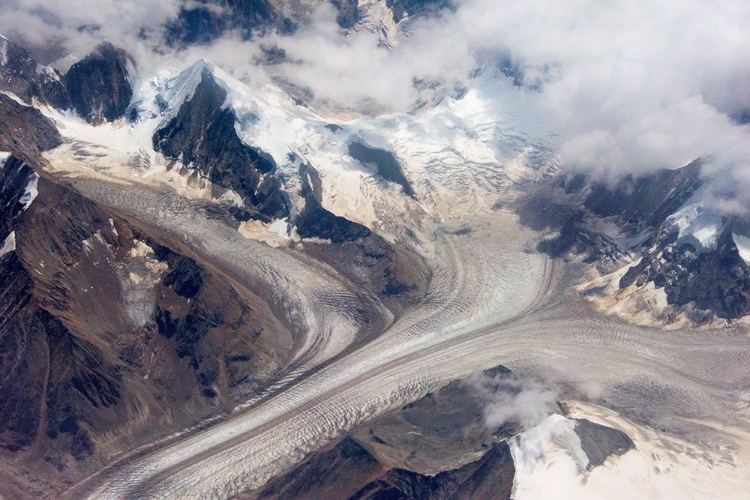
(99, 85)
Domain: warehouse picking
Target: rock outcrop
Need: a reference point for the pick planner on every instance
(21, 75)
(99, 85)
(110, 335)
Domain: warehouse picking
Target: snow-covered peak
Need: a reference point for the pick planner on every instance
(166, 92)
(698, 225)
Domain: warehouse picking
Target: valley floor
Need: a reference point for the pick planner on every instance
(492, 300)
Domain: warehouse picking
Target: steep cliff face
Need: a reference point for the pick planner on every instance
(99, 85)
(109, 336)
(202, 136)
(25, 131)
(21, 75)
(716, 280)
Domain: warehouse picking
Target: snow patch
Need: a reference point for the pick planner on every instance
(9, 245)
(697, 225)
(31, 192)
(139, 275)
(275, 234)
(743, 246)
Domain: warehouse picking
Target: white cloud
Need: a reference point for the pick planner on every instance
(626, 86)
(507, 399)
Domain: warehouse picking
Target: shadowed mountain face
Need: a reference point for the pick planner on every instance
(712, 281)
(349, 471)
(109, 336)
(205, 21)
(415, 8)
(25, 131)
(599, 442)
(24, 77)
(717, 280)
(385, 163)
(203, 137)
(648, 199)
(202, 23)
(99, 85)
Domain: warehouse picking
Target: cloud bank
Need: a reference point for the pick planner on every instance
(624, 86)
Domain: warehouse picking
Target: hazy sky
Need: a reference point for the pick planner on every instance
(628, 85)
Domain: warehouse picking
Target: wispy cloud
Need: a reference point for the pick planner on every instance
(510, 399)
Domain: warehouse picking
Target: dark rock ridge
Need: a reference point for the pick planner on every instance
(709, 281)
(716, 280)
(489, 477)
(25, 131)
(385, 163)
(349, 471)
(600, 442)
(15, 175)
(28, 80)
(646, 200)
(416, 8)
(202, 135)
(205, 21)
(316, 222)
(107, 328)
(99, 85)
(356, 252)
(635, 204)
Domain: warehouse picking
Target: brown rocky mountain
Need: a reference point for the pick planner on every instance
(117, 336)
